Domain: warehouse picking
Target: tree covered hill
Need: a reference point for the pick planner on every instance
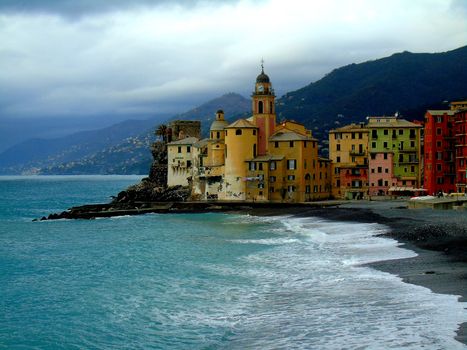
(123, 148)
(402, 82)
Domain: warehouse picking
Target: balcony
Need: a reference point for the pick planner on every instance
(357, 153)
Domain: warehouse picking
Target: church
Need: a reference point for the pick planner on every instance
(253, 159)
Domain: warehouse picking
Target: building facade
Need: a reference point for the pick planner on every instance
(439, 160)
(348, 151)
(253, 159)
(394, 163)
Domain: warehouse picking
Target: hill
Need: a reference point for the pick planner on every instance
(404, 82)
(122, 148)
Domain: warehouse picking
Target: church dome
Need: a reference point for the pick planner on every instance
(262, 78)
(219, 125)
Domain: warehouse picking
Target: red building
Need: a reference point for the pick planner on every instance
(460, 127)
(439, 144)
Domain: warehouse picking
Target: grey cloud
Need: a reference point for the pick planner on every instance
(79, 8)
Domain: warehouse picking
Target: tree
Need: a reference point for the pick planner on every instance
(162, 132)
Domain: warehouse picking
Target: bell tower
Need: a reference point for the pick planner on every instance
(264, 111)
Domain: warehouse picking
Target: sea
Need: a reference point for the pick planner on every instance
(201, 281)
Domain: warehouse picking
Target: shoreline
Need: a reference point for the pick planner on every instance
(438, 237)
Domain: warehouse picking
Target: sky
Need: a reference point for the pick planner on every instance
(111, 60)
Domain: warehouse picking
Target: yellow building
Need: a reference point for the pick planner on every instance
(348, 151)
(256, 159)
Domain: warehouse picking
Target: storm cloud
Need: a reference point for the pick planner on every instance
(74, 59)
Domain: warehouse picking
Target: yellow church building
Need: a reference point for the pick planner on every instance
(256, 159)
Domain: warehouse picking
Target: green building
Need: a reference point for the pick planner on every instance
(394, 162)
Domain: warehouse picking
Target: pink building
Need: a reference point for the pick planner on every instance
(380, 175)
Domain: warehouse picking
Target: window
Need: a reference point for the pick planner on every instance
(261, 185)
(380, 169)
(218, 135)
(439, 180)
(386, 170)
(272, 166)
(374, 134)
(385, 156)
(386, 183)
(254, 132)
(260, 107)
(360, 135)
(438, 131)
(238, 131)
(338, 147)
(290, 144)
(290, 177)
(380, 182)
(373, 144)
(372, 170)
(291, 189)
(438, 144)
(385, 144)
(401, 131)
(260, 166)
(439, 119)
(179, 149)
(271, 189)
(386, 132)
(276, 144)
(373, 156)
(353, 136)
(412, 144)
(254, 150)
(188, 163)
(353, 160)
(307, 189)
(188, 149)
(412, 168)
(272, 179)
(412, 133)
(438, 167)
(252, 166)
(291, 164)
(338, 159)
(338, 183)
(439, 155)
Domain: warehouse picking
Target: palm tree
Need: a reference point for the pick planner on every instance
(162, 131)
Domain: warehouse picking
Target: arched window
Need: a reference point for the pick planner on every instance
(260, 107)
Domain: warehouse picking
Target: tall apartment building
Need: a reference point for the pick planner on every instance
(394, 148)
(348, 151)
(460, 130)
(446, 149)
(439, 162)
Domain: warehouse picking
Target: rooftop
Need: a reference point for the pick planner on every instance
(185, 141)
(241, 123)
(290, 136)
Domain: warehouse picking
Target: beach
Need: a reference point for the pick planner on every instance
(439, 237)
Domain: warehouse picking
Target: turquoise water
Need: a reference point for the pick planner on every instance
(200, 281)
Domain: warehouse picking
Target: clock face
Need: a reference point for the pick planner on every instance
(260, 88)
